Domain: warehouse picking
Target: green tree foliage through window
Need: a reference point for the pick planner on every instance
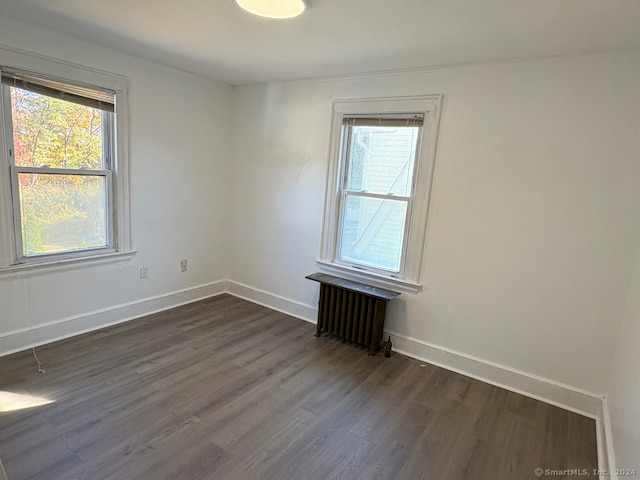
(51, 132)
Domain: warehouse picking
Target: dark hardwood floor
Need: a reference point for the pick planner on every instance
(226, 389)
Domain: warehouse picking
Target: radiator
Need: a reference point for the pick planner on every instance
(352, 311)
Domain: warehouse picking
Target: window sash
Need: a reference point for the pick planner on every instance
(346, 134)
(342, 258)
(21, 255)
(401, 120)
(108, 129)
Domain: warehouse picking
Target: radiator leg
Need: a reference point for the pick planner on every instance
(378, 326)
(321, 300)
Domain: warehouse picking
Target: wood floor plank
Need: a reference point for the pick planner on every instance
(227, 389)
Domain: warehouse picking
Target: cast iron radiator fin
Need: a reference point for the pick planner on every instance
(352, 311)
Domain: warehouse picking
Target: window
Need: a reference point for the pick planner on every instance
(379, 184)
(63, 181)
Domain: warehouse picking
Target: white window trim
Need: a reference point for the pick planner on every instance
(430, 106)
(122, 249)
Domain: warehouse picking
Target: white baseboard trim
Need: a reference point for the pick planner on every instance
(68, 327)
(299, 310)
(605, 444)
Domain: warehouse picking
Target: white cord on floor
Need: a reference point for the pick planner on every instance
(40, 369)
(3, 475)
(33, 349)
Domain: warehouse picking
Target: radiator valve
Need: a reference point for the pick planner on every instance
(387, 347)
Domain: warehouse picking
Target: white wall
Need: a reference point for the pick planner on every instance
(623, 396)
(533, 227)
(179, 157)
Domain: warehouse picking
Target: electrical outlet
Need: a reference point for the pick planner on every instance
(183, 266)
(144, 271)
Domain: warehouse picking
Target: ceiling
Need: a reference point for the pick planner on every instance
(217, 39)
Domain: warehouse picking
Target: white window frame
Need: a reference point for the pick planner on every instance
(12, 262)
(408, 279)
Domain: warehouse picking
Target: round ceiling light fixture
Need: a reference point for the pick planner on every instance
(273, 8)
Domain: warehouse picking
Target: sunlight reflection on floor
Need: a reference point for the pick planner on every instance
(17, 401)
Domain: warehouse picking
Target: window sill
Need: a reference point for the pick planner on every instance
(14, 272)
(373, 279)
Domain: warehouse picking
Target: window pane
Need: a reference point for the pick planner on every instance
(381, 159)
(62, 212)
(51, 132)
(373, 232)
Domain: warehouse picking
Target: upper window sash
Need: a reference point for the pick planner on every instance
(106, 104)
(348, 122)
